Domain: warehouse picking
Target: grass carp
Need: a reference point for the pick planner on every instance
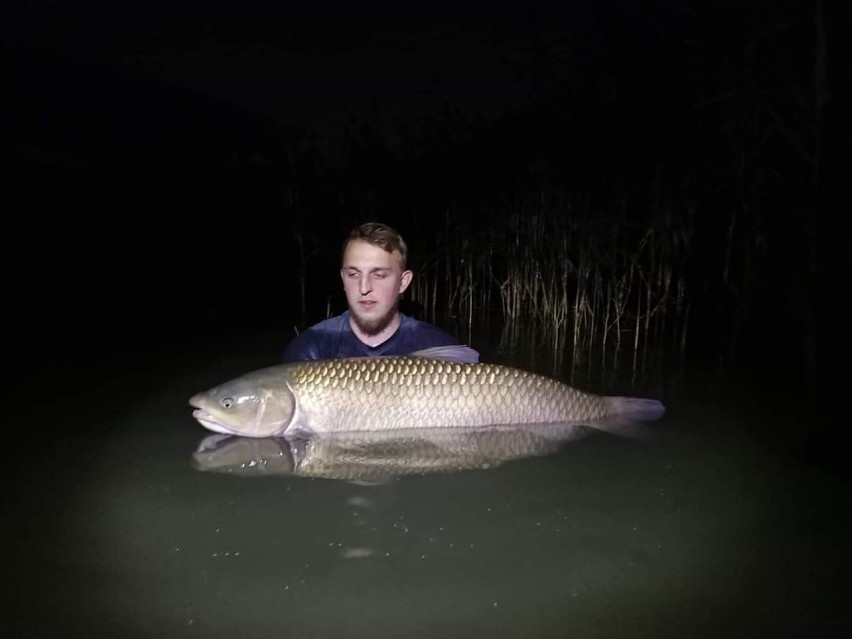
(442, 387)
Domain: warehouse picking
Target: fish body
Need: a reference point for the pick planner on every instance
(434, 388)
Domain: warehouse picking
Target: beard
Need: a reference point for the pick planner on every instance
(374, 326)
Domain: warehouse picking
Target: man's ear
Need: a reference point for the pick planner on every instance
(406, 280)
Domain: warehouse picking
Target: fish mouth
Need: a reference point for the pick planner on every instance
(206, 419)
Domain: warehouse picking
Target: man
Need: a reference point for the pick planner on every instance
(374, 274)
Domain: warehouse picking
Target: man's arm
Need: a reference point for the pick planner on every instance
(302, 347)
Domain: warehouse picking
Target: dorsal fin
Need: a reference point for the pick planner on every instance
(453, 353)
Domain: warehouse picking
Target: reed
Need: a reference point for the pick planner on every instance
(571, 283)
(588, 272)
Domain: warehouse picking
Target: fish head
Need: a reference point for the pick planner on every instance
(249, 406)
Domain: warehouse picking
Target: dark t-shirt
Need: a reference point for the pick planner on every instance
(333, 338)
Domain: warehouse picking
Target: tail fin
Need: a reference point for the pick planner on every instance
(635, 408)
(625, 416)
(452, 353)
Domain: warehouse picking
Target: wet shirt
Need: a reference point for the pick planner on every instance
(333, 338)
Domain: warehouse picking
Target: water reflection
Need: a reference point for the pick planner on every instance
(381, 456)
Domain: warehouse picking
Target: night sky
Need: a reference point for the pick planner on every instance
(309, 63)
(155, 149)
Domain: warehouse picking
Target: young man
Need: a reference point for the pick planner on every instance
(374, 275)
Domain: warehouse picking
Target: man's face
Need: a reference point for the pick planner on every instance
(373, 281)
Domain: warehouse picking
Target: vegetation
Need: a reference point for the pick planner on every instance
(614, 218)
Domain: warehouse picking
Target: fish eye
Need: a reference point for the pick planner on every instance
(228, 402)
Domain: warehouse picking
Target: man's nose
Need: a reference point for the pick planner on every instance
(365, 284)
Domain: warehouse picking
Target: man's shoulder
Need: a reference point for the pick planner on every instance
(426, 333)
(317, 340)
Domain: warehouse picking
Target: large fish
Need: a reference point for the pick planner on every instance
(380, 455)
(442, 387)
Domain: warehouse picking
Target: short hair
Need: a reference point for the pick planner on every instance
(380, 235)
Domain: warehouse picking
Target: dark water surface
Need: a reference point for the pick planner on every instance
(711, 528)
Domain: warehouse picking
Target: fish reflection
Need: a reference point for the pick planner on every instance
(380, 456)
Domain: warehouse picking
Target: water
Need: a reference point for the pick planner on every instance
(707, 529)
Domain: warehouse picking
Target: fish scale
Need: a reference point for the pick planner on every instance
(406, 391)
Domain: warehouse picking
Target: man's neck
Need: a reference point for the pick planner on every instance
(378, 338)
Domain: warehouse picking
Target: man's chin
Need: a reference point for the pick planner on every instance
(372, 326)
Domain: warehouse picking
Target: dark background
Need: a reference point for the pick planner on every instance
(175, 171)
